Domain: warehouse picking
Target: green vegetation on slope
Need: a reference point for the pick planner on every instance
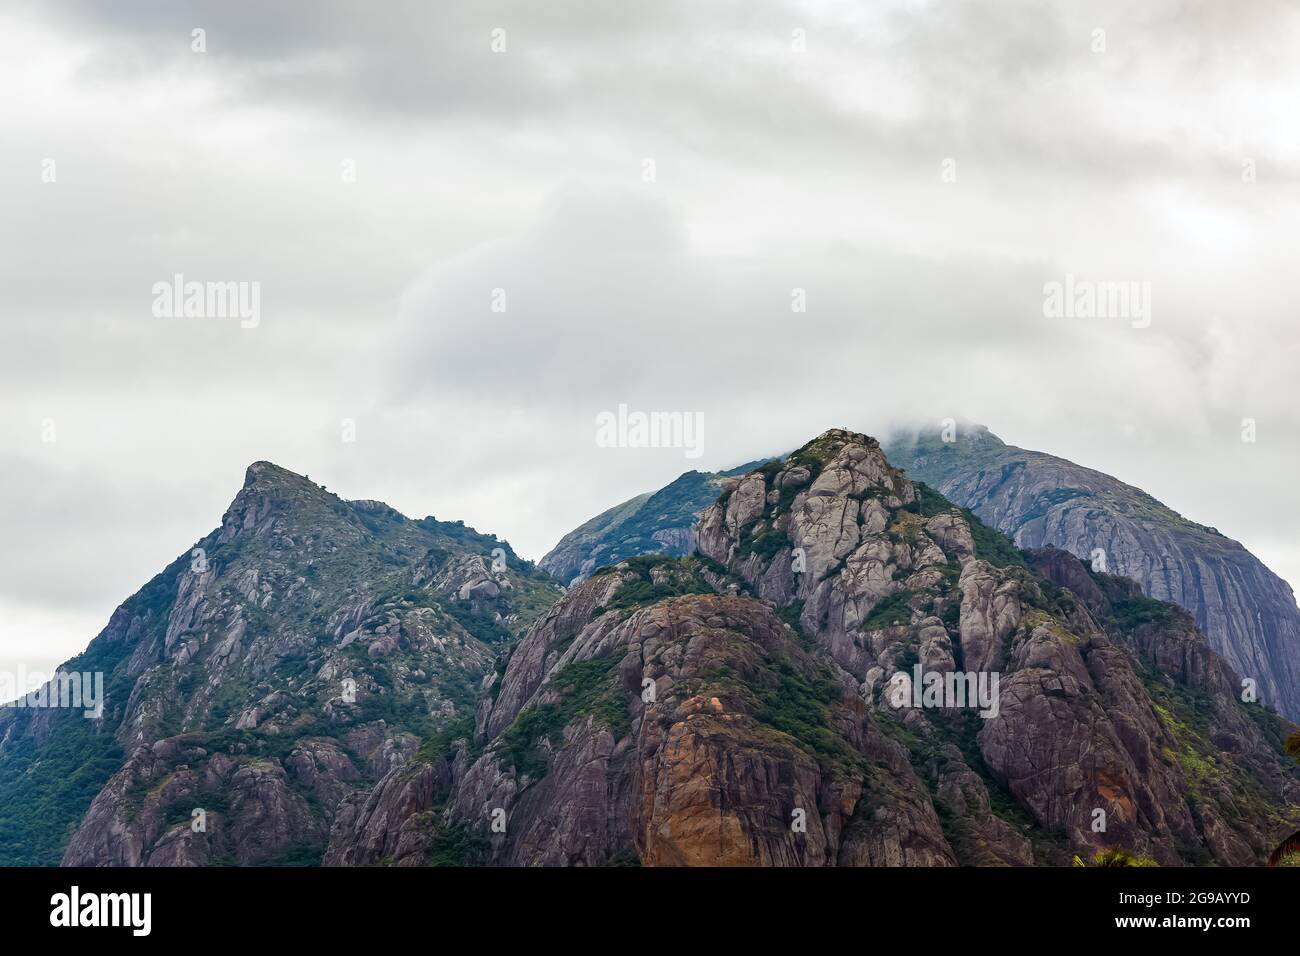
(889, 611)
(46, 787)
(657, 577)
(585, 688)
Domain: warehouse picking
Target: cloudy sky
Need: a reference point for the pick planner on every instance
(647, 185)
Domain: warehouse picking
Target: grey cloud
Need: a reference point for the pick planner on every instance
(78, 537)
(521, 172)
(991, 81)
(609, 283)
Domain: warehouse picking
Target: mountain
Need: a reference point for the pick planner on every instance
(1247, 611)
(636, 527)
(662, 522)
(742, 705)
(849, 670)
(295, 655)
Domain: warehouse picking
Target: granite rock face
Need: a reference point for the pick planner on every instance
(742, 706)
(1248, 613)
(848, 671)
(292, 658)
(678, 762)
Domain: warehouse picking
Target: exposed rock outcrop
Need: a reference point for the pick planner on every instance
(293, 657)
(851, 671)
(743, 707)
(1248, 613)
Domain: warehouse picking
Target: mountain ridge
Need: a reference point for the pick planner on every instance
(238, 652)
(328, 681)
(1267, 650)
(1247, 611)
(682, 711)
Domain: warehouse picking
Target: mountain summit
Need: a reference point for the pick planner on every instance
(848, 669)
(851, 671)
(1248, 613)
(296, 652)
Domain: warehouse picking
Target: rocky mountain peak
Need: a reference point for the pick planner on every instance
(809, 506)
(268, 476)
(267, 473)
(836, 438)
(832, 444)
(1037, 499)
(293, 655)
(678, 711)
(333, 682)
(1248, 613)
(269, 491)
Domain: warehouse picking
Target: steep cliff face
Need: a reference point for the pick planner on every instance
(328, 681)
(298, 653)
(752, 705)
(1077, 729)
(1248, 613)
(698, 730)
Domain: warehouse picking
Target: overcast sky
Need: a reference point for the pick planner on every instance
(648, 184)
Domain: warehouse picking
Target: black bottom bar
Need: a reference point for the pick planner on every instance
(500, 906)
